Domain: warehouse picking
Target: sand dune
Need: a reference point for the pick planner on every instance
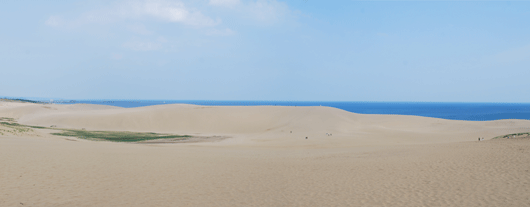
(371, 160)
(264, 123)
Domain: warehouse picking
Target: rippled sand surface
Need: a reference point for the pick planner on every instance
(370, 160)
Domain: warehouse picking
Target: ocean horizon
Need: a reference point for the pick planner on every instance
(444, 110)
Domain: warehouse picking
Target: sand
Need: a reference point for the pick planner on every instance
(370, 160)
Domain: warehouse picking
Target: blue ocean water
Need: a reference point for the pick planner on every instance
(453, 111)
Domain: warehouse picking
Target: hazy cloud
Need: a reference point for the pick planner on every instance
(143, 45)
(220, 32)
(164, 10)
(139, 29)
(172, 11)
(227, 3)
(514, 55)
(267, 10)
(116, 56)
(53, 21)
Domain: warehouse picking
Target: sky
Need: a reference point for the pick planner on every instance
(273, 50)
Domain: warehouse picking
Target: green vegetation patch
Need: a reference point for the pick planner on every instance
(117, 136)
(6, 119)
(12, 124)
(9, 124)
(17, 128)
(511, 135)
(37, 127)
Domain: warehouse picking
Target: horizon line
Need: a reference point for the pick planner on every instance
(50, 100)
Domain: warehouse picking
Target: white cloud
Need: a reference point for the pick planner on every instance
(268, 10)
(227, 3)
(135, 16)
(164, 10)
(172, 11)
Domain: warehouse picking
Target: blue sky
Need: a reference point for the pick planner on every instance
(298, 50)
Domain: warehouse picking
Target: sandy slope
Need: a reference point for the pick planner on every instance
(269, 124)
(376, 160)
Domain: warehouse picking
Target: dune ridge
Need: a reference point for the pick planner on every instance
(272, 122)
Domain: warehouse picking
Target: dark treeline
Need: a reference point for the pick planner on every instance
(21, 100)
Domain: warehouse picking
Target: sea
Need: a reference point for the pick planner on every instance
(452, 111)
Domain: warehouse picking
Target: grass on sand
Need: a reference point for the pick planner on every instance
(512, 135)
(117, 136)
(114, 136)
(15, 128)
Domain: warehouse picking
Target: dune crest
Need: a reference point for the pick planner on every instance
(322, 125)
